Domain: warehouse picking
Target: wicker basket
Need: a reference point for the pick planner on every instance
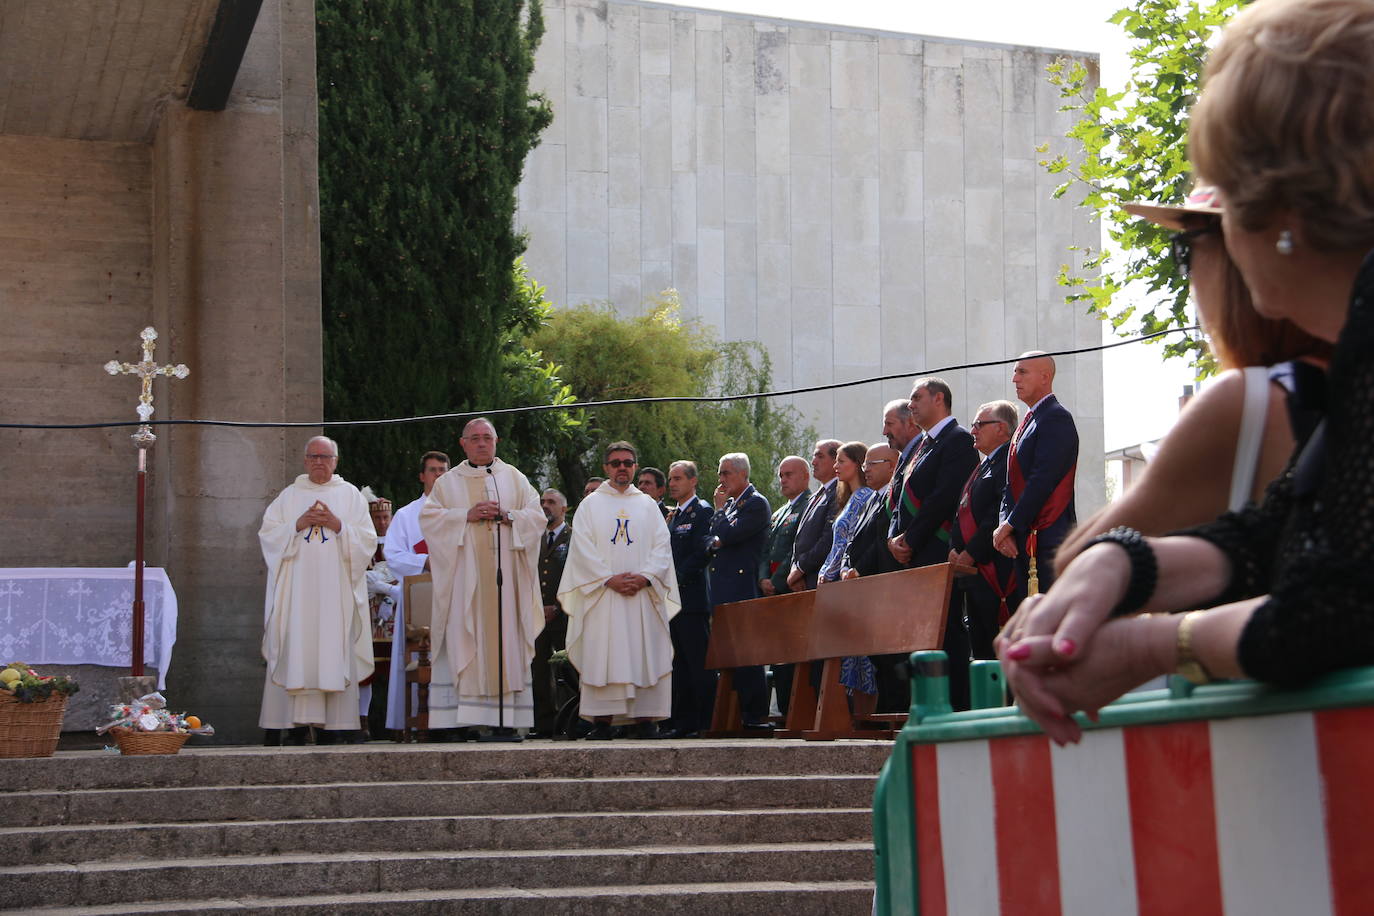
(30, 729)
(133, 742)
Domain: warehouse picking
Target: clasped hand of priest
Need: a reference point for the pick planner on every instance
(488, 510)
(318, 515)
(627, 584)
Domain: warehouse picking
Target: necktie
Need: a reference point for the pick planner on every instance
(549, 544)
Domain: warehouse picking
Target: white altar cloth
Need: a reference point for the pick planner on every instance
(84, 616)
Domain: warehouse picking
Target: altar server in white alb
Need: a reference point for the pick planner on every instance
(481, 505)
(407, 554)
(317, 538)
(619, 590)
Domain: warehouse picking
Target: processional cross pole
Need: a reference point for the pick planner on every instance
(146, 370)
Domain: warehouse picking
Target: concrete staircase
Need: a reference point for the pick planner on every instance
(713, 827)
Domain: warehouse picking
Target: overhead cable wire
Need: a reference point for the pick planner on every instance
(589, 405)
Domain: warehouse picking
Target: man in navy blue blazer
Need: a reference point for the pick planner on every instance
(816, 530)
(739, 529)
(689, 530)
(1038, 503)
(925, 507)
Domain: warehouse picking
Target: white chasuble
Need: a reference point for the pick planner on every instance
(620, 645)
(318, 636)
(471, 653)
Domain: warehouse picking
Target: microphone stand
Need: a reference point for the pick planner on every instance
(500, 734)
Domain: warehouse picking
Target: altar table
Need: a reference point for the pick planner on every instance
(84, 616)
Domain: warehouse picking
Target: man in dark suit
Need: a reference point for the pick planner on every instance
(816, 529)
(776, 564)
(1038, 503)
(738, 530)
(986, 600)
(689, 529)
(553, 554)
(924, 514)
(867, 553)
(653, 483)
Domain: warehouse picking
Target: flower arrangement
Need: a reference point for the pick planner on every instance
(28, 686)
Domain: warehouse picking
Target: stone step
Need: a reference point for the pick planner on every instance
(814, 898)
(240, 766)
(348, 874)
(445, 797)
(85, 843)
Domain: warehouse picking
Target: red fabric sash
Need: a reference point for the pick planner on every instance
(1054, 506)
(968, 527)
(421, 546)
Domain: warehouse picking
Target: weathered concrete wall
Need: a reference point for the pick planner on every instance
(862, 203)
(210, 233)
(75, 290)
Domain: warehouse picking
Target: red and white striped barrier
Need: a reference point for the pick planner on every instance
(1261, 815)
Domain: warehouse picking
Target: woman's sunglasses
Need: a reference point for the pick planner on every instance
(1181, 245)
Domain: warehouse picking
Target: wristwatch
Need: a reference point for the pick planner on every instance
(1187, 664)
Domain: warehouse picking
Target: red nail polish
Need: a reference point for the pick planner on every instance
(1019, 653)
(1066, 647)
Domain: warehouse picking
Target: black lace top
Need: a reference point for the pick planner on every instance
(1310, 544)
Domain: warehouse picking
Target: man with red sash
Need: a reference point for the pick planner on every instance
(928, 497)
(986, 600)
(1037, 506)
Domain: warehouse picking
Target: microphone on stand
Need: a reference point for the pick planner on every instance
(499, 734)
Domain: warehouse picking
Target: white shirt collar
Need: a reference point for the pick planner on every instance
(934, 431)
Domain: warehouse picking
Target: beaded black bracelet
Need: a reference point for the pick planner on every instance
(1144, 568)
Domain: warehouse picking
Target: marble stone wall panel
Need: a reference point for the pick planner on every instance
(855, 143)
(854, 72)
(587, 134)
(589, 278)
(775, 208)
(809, 123)
(623, 53)
(656, 132)
(624, 241)
(710, 67)
(550, 72)
(946, 312)
(683, 101)
(812, 251)
(773, 133)
(656, 224)
(654, 45)
(858, 336)
(982, 127)
(857, 212)
(741, 200)
(585, 51)
(811, 189)
(741, 281)
(547, 251)
(901, 81)
(738, 39)
(857, 274)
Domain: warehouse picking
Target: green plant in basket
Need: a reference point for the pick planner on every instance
(28, 686)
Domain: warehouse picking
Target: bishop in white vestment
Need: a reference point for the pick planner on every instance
(619, 590)
(317, 538)
(480, 517)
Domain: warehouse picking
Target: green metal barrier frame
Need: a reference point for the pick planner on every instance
(931, 721)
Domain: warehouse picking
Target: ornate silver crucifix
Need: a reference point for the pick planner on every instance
(147, 370)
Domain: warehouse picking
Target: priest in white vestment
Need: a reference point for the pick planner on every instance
(407, 554)
(619, 590)
(317, 538)
(481, 517)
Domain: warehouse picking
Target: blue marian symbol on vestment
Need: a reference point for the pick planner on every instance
(622, 524)
(324, 539)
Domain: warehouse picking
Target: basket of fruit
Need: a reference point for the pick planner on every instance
(146, 726)
(31, 709)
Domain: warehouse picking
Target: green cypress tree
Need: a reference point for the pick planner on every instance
(426, 119)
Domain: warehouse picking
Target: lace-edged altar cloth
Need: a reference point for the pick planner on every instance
(84, 616)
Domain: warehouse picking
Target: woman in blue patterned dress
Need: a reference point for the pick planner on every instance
(852, 493)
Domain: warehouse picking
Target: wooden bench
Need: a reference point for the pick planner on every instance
(896, 612)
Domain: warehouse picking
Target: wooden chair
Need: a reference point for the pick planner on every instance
(419, 599)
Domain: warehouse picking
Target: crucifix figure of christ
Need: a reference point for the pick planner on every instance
(146, 370)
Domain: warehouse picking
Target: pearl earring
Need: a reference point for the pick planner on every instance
(1284, 245)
